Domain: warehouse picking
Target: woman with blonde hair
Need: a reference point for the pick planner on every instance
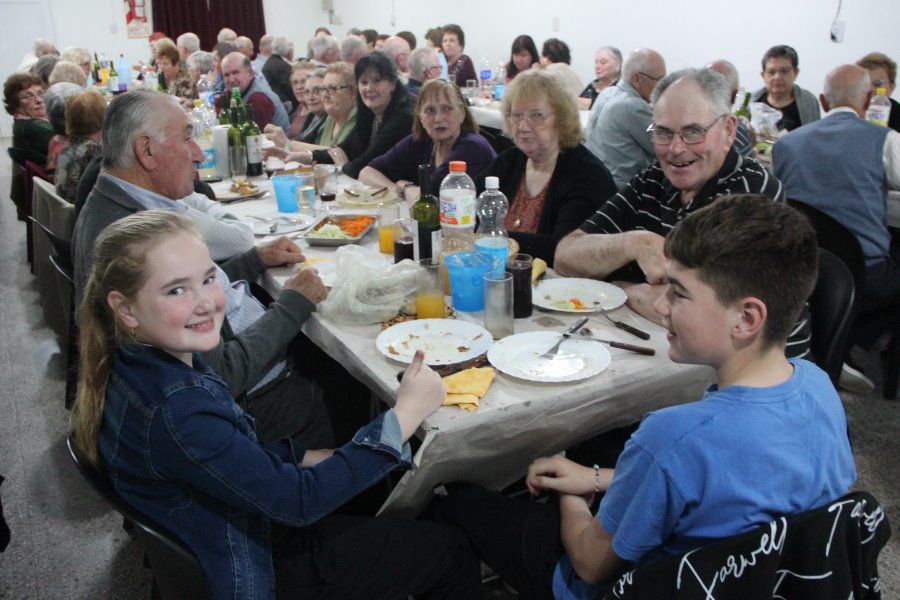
(552, 181)
(178, 449)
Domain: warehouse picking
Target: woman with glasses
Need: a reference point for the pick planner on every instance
(23, 97)
(334, 90)
(383, 117)
(443, 130)
(798, 106)
(552, 181)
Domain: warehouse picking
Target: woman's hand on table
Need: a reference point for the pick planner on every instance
(279, 252)
(564, 476)
(421, 393)
(276, 135)
(308, 283)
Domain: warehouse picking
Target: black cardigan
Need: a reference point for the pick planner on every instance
(361, 148)
(580, 184)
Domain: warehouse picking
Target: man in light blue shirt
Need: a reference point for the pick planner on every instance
(617, 128)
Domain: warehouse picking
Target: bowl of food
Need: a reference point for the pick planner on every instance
(338, 230)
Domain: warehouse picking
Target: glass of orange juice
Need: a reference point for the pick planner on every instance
(430, 302)
(386, 217)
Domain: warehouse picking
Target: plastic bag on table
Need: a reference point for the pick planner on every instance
(368, 290)
(764, 119)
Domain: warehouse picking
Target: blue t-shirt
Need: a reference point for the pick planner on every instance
(716, 468)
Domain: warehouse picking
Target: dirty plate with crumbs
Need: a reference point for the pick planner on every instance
(444, 341)
(567, 294)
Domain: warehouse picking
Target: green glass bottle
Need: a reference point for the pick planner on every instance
(237, 148)
(426, 213)
(744, 110)
(253, 141)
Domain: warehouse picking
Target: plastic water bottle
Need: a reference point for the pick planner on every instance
(491, 236)
(124, 69)
(204, 90)
(457, 200)
(879, 110)
(486, 74)
(499, 82)
(202, 133)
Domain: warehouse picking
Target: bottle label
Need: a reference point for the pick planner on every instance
(254, 149)
(113, 83)
(878, 114)
(458, 208)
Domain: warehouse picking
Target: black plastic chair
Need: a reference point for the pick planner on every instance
(869, 315)
(176, 572)
(498, 140)
(828, 553)
(61, 246)
(831, 306)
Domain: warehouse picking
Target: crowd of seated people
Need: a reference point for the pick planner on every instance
(660, 193)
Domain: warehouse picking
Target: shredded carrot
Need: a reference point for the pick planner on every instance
(355, 225)
(577, 304)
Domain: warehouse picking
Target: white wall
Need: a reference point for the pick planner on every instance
(687, 33)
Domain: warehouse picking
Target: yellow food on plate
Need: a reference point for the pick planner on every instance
(470, 381)
(538, 267)
(243, 187)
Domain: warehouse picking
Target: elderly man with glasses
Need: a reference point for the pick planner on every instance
(616, 129)
(692, 135)
(424, 65)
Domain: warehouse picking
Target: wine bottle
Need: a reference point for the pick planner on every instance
(744, 110)
(253, 141)
(426, 211)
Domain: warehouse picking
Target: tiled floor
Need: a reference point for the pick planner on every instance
(68, 544)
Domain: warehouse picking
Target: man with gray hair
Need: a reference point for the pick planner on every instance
(263, 53)
(324, 49)
(692, 133)
(277, 69)
(187, 44)
(226, 34)
(743, 140)
(353, 48)
(616, 131)
(264, 103)
(424, 64)
(148, 163)
(844, 166)
(41, 47)
(398, 49)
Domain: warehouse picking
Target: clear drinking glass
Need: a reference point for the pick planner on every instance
(430, 302)
(404, 239)
(471, 89)
(498, 304)
(237, 157)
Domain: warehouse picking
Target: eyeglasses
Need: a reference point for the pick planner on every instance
(333, 89)
(783, 71)
(877, 83)
(650, 77)
(534, 117)
(692, 134)
(29, 96)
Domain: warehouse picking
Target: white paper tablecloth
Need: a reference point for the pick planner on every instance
(517, 420)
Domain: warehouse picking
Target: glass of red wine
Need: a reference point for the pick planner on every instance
(404, 238)
(328, 185)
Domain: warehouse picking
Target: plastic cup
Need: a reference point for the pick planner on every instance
(286, 192)
(237, 158)
(498, 304)
(430, 301)
(466, 270)
(386, 217)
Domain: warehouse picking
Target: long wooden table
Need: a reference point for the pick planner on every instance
(517, 420)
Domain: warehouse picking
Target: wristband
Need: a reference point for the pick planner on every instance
(597, 489)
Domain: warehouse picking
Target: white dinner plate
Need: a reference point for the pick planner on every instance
(554, 294)
(444, 341)
(286, 225)
(519, 355)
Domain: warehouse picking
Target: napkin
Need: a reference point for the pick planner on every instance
(466, 388)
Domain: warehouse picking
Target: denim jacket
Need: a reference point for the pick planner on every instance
(178, 449)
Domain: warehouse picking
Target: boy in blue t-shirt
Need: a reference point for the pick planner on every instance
(770, 438)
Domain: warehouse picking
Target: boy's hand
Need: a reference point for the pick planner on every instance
(561, 475)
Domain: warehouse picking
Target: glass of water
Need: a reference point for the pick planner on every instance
(498, 303)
